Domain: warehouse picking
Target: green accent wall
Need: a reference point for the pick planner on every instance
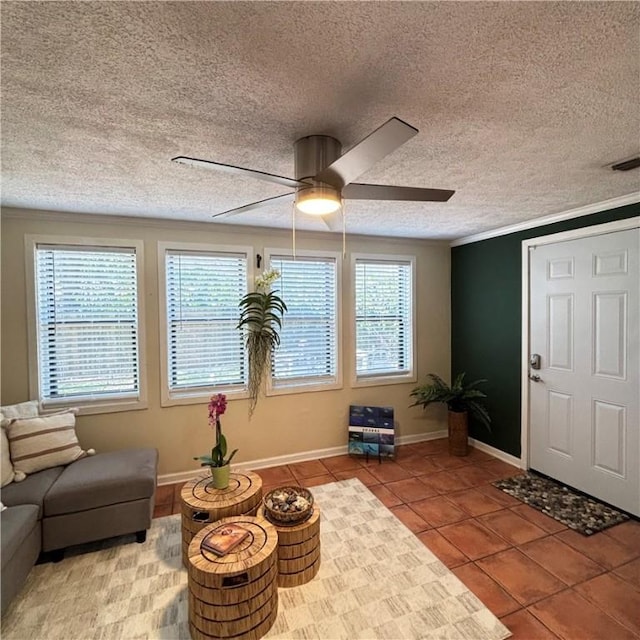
(486, 320)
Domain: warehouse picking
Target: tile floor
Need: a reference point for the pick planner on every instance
(540, 578)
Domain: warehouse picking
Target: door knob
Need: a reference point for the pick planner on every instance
(535, 378)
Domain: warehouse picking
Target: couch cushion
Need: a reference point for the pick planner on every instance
(103, 479)
(32, 490)
(43, 442)
(15, 525)
(6, 466)
(27, 409)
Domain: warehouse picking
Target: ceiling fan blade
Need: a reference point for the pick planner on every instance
(356, 191)
(229, 168)
(333, 220)
(254, 205)
(385, 139)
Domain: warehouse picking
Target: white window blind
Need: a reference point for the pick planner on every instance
(308, 341)
(384, 331)
(87, 322)
(205, 350)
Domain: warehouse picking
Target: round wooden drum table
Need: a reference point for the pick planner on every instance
(298, 550)
(203, 504)
(235, 595)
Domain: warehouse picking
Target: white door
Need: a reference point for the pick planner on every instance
(584, 422)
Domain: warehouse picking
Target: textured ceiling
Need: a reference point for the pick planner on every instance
(520, 106)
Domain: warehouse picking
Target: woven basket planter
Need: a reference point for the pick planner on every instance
(458, 433)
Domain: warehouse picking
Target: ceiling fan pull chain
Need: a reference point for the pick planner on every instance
(293, 230)
(344, 231)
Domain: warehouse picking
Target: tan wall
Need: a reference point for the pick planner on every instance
(281, 425)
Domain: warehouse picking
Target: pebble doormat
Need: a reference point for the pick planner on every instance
(577, 511)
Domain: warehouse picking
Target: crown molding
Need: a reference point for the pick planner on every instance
(195, 225)
(598, 207)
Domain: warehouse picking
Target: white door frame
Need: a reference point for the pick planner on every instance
(575, 234)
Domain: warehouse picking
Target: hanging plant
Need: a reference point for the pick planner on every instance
(261, 315)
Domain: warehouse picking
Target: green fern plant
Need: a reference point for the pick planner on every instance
(458, 397)
(261, 315)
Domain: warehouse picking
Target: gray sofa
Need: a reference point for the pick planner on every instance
(96, 497)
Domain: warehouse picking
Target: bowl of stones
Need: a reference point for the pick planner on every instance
(288, 505)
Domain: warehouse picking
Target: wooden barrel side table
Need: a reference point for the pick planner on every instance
(298, 550)
(203, 504)
(236, 595)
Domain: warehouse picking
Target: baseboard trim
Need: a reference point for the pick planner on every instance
(422, 437)
(496, 453)
(292, 458)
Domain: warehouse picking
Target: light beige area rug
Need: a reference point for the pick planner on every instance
(376, 580)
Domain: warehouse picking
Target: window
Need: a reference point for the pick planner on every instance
(384, 318)
(307, 357)
(204, 350)
(86, 322)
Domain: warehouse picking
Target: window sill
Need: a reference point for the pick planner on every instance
(199, 397)
(304, 388)
(107, 406)
(383, 381)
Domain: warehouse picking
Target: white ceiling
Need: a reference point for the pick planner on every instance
(520, 106)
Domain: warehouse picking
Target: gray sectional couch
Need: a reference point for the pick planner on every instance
(21, 543)
(96, 497)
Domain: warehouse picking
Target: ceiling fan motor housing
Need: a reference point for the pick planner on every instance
(311, 155)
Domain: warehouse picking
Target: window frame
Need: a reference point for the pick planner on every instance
(375, 380)
(109, 404)
(168, 397)
(314, 384)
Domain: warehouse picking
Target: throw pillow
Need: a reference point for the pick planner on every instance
(6, 468)
(2, 507)
(43, 442)
(22, 410)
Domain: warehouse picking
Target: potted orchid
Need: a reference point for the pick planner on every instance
(217, 461)
(261, 313)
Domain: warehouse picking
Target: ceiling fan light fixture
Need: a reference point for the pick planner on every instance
(318, 200)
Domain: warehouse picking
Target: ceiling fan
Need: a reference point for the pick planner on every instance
(324, 176)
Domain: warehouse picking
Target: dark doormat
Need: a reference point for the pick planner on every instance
(577, 511)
